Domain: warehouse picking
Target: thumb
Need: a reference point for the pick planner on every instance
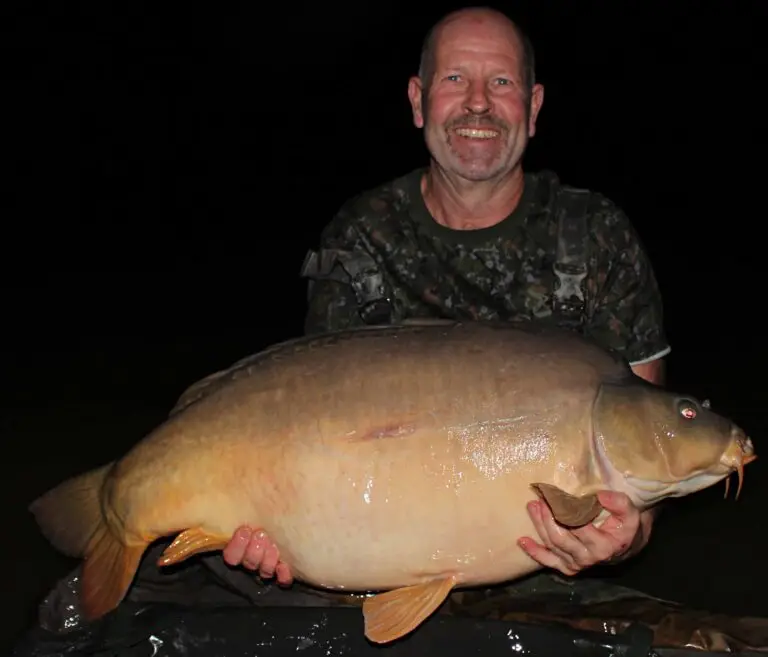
(616, 503)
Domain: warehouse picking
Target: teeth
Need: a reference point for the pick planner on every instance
(476, 134)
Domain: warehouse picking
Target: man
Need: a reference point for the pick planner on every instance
(472, 236)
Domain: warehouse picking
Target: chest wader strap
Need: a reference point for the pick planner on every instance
(360, 272)
(570, 268)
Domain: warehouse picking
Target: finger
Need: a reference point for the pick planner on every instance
(254, 553)
(623, 524)
(560, 540)
(537, 511)
(546, 527)
(283, 574)
(618, 504)
(619, 531)
(568, 546)
(544, 556)
(586, 546)
(600, 545)
(234, 551)
(269, 561)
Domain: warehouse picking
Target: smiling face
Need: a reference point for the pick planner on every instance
(474, 105)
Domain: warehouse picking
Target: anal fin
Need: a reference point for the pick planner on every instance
(393, 614)
(190, 542)
(569, 510)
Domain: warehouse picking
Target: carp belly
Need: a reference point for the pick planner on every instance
(400, 546)
(375, 519)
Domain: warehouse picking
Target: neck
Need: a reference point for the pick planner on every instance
(466, 205)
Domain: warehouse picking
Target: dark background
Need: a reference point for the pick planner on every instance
(167, 167)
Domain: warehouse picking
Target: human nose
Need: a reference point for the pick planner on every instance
(478, 100)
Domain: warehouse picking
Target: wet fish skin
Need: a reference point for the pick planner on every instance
(395, 458)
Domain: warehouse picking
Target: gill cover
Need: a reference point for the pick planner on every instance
(651, 434)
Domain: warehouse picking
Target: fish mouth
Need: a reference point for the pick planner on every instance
(739, 454)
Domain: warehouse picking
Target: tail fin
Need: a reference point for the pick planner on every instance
(108, 571)
(69, 514)
(70, 517)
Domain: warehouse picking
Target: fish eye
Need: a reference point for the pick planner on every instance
(688, 409)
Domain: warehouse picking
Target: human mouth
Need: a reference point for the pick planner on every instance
(477, 133)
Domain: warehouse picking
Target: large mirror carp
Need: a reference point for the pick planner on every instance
(392, 460)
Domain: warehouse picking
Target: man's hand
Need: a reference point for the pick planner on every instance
(254, 551)
(623, 533)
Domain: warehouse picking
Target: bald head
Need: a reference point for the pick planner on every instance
(467, 18)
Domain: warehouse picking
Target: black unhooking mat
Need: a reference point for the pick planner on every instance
(165, 631)
(206, 609)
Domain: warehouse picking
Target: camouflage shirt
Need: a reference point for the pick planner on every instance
(383, 259)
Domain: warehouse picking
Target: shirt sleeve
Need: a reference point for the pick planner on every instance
(627, 315)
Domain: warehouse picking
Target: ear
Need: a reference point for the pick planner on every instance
(414, 95)
(537, 100)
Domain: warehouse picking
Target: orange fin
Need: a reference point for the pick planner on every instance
(69, 514)
(569, 510)
(190, 542)
(393, 614)
(70, 517)
(108, 570)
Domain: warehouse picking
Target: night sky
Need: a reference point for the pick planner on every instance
(167, 167)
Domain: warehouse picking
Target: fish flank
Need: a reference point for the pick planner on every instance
(390, 431)
(289, 348)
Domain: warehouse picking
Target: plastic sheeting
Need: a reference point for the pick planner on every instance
(166, 631)
(207, 609)
(601, 607)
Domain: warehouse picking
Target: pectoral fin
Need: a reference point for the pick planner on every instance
(569, 510)
(393, 614)
(191, 542)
